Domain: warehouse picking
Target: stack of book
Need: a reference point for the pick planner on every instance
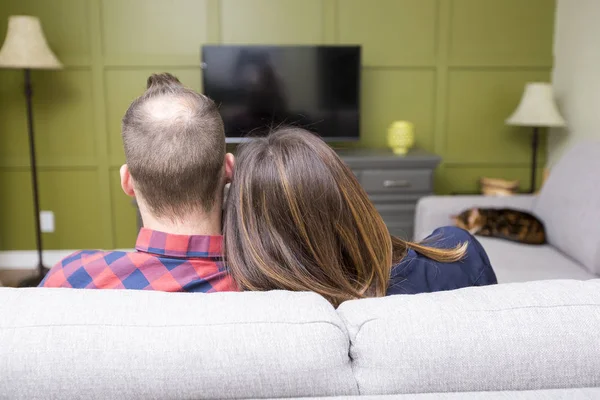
(498, 187)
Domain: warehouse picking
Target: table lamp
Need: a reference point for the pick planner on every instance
(25, 48)
(537, 109)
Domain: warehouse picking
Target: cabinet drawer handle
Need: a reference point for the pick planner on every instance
(396, 184)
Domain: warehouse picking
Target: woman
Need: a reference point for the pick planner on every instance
(297, 219)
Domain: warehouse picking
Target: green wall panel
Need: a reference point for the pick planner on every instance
(13, 120)
(391, 95)
(272, 21)
(456, 68)
(63, 117)
(392, 32)
(16, 211)
(478, 104)
(124, 217)
(122, 87)
(501, 32)
(72, 196)
(64, 112)
(138, 32)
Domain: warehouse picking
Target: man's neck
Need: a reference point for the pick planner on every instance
(202, 224)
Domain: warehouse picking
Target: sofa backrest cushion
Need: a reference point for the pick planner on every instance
(520, 336)
(569, 205)
(120, 344)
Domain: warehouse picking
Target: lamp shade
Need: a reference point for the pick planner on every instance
(537, 108)
(25, 45)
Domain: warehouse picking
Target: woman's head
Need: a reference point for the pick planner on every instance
(297, 219)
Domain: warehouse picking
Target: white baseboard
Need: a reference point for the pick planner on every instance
(27, 259)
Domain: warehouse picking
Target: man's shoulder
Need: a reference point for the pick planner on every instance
(77, 264)
(447, 237)
(77, 256)
(86, 256)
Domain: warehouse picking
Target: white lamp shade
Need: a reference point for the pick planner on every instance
(537, 108)
(25, 45)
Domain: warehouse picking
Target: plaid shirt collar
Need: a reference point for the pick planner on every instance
(179, 246)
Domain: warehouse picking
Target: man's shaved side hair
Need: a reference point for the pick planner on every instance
(175, 148)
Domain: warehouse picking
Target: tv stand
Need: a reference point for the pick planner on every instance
(394, 183)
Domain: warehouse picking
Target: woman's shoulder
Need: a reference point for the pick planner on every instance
(448, 237)
(417, 273)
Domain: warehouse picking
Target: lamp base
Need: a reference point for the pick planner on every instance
(34, 281)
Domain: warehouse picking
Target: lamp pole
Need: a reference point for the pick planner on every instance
(41, 269)
(34, 181)
(534, 145)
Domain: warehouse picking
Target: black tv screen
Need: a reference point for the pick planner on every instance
(261, 87)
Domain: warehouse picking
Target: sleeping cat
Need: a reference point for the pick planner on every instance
(502, 223)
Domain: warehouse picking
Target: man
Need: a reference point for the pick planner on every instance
(176, 169)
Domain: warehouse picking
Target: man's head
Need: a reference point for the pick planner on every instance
(175, 150)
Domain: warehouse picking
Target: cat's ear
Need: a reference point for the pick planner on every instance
(458, 222)
(473, 216)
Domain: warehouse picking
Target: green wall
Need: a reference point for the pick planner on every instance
(456, 68)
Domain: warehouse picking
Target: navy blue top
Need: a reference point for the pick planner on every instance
(419, 274)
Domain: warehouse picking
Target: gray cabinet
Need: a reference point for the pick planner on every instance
(394, 183)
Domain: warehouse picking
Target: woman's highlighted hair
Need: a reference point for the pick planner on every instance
(297, 219)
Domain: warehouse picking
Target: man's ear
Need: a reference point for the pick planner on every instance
(126, 181)
(229, 166)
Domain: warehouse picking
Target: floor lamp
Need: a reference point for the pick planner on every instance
(537, 109)
(25, 48)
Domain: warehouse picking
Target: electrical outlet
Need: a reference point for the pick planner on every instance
(47, 221)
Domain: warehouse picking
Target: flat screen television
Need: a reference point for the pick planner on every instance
(261, 87)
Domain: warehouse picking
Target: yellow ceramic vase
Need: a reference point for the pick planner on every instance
(401, 137)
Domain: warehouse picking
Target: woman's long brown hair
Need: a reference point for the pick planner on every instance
(297, 219)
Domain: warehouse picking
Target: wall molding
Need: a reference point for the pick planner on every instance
(49, 165)
(27, 259)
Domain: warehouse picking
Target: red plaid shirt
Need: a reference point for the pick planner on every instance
(165, 262)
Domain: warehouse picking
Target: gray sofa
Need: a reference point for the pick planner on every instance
(519, 341)
(569, 206)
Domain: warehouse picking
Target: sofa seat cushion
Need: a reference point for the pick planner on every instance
(127, 344)
(516, 336)
(515, 262)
